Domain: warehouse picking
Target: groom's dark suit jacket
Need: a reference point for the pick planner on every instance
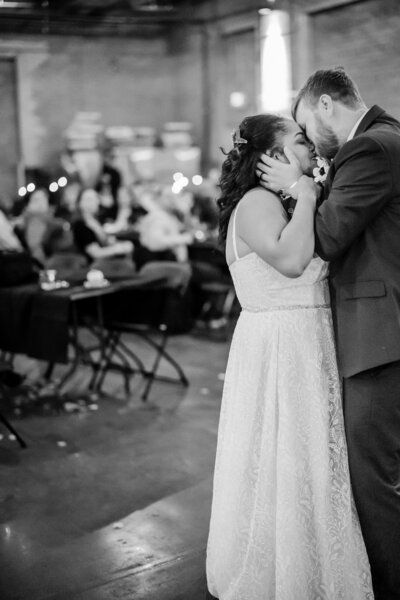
(358, 230)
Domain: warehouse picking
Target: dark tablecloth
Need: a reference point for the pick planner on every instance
(34, 323)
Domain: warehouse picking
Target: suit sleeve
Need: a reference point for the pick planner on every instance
(362, 185)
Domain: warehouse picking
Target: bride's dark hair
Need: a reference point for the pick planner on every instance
(257, 134)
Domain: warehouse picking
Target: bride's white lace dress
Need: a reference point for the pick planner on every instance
(283, 524)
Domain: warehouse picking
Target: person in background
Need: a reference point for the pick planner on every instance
(69, 167)
(89, 235)
(9, 241)
(122, 221)
(161, 234)
(109, 187)
(68, 199)
(204, 208)
(34, 222)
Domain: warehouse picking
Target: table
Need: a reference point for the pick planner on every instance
(43, 324)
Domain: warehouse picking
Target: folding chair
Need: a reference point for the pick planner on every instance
(3, 394)
(151, 314)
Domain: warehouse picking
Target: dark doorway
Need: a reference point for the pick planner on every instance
(9, 147)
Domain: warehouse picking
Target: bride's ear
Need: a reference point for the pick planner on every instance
(279, 156)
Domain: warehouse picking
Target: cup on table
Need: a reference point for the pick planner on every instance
(47, 277)
(95, 277)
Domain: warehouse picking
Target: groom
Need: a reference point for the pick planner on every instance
(357, 229)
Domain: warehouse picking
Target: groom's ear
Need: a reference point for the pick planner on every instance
(325, 104)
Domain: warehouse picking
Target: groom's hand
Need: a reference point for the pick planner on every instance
(277, 175)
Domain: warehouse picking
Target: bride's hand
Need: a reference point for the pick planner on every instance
(279, 176)
(305, 189)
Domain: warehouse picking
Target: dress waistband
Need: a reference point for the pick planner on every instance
(295, 297)
(293, 307)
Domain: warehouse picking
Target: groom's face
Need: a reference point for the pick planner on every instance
(318, 130)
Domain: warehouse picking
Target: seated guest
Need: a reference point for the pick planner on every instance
(7, 205)
(34, 222)
(17, 266)
(123, 219)
(161, 233)
(205, 213)
(109, 187)
(9, 242)
(89, 235)
(68, 199)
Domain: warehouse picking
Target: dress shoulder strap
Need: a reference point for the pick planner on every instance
(234, 233)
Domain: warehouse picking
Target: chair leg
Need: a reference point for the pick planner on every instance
(164, 354)
(152, 374)
(49, 371)
(114, 341)
(176, 366)
(5, 421)
(124, 348)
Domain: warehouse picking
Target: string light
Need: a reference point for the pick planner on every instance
(176, 187)
(31, 187)
(62, 182)
(22, 191)
(197, 180)
(53, 187)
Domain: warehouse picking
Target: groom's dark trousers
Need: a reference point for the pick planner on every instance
(372, 420)
(357, 229)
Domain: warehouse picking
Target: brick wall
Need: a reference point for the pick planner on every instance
(189, 75)
(364, 38)
(137, 82)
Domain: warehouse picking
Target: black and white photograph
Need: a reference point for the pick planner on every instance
(199, 300)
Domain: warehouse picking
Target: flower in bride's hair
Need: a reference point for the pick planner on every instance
(237, 138)
(321, 170)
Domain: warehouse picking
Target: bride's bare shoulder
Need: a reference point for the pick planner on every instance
(260, 199)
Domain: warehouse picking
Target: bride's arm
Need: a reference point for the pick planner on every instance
(262, 225)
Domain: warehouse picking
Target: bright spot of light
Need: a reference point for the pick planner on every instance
(197, 180)
(237, 99)
(184, 181)
(176, 187)
(177, 176)
(275, 62)
(200, 235)
(22, 191)
(62, 182)
(53, 187)
(30, 187)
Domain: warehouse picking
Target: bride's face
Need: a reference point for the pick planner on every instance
(295, 139)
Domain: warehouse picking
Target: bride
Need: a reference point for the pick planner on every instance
(283, 523)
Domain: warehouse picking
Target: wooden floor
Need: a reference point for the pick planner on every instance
(114, 502)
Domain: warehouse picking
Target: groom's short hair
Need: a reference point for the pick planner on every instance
(334, 82)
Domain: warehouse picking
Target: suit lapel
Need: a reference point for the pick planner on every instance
(368, 119)
(372, 115)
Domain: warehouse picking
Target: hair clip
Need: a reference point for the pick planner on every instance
(237, 139)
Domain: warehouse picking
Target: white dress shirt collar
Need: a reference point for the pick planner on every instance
(353, 131)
